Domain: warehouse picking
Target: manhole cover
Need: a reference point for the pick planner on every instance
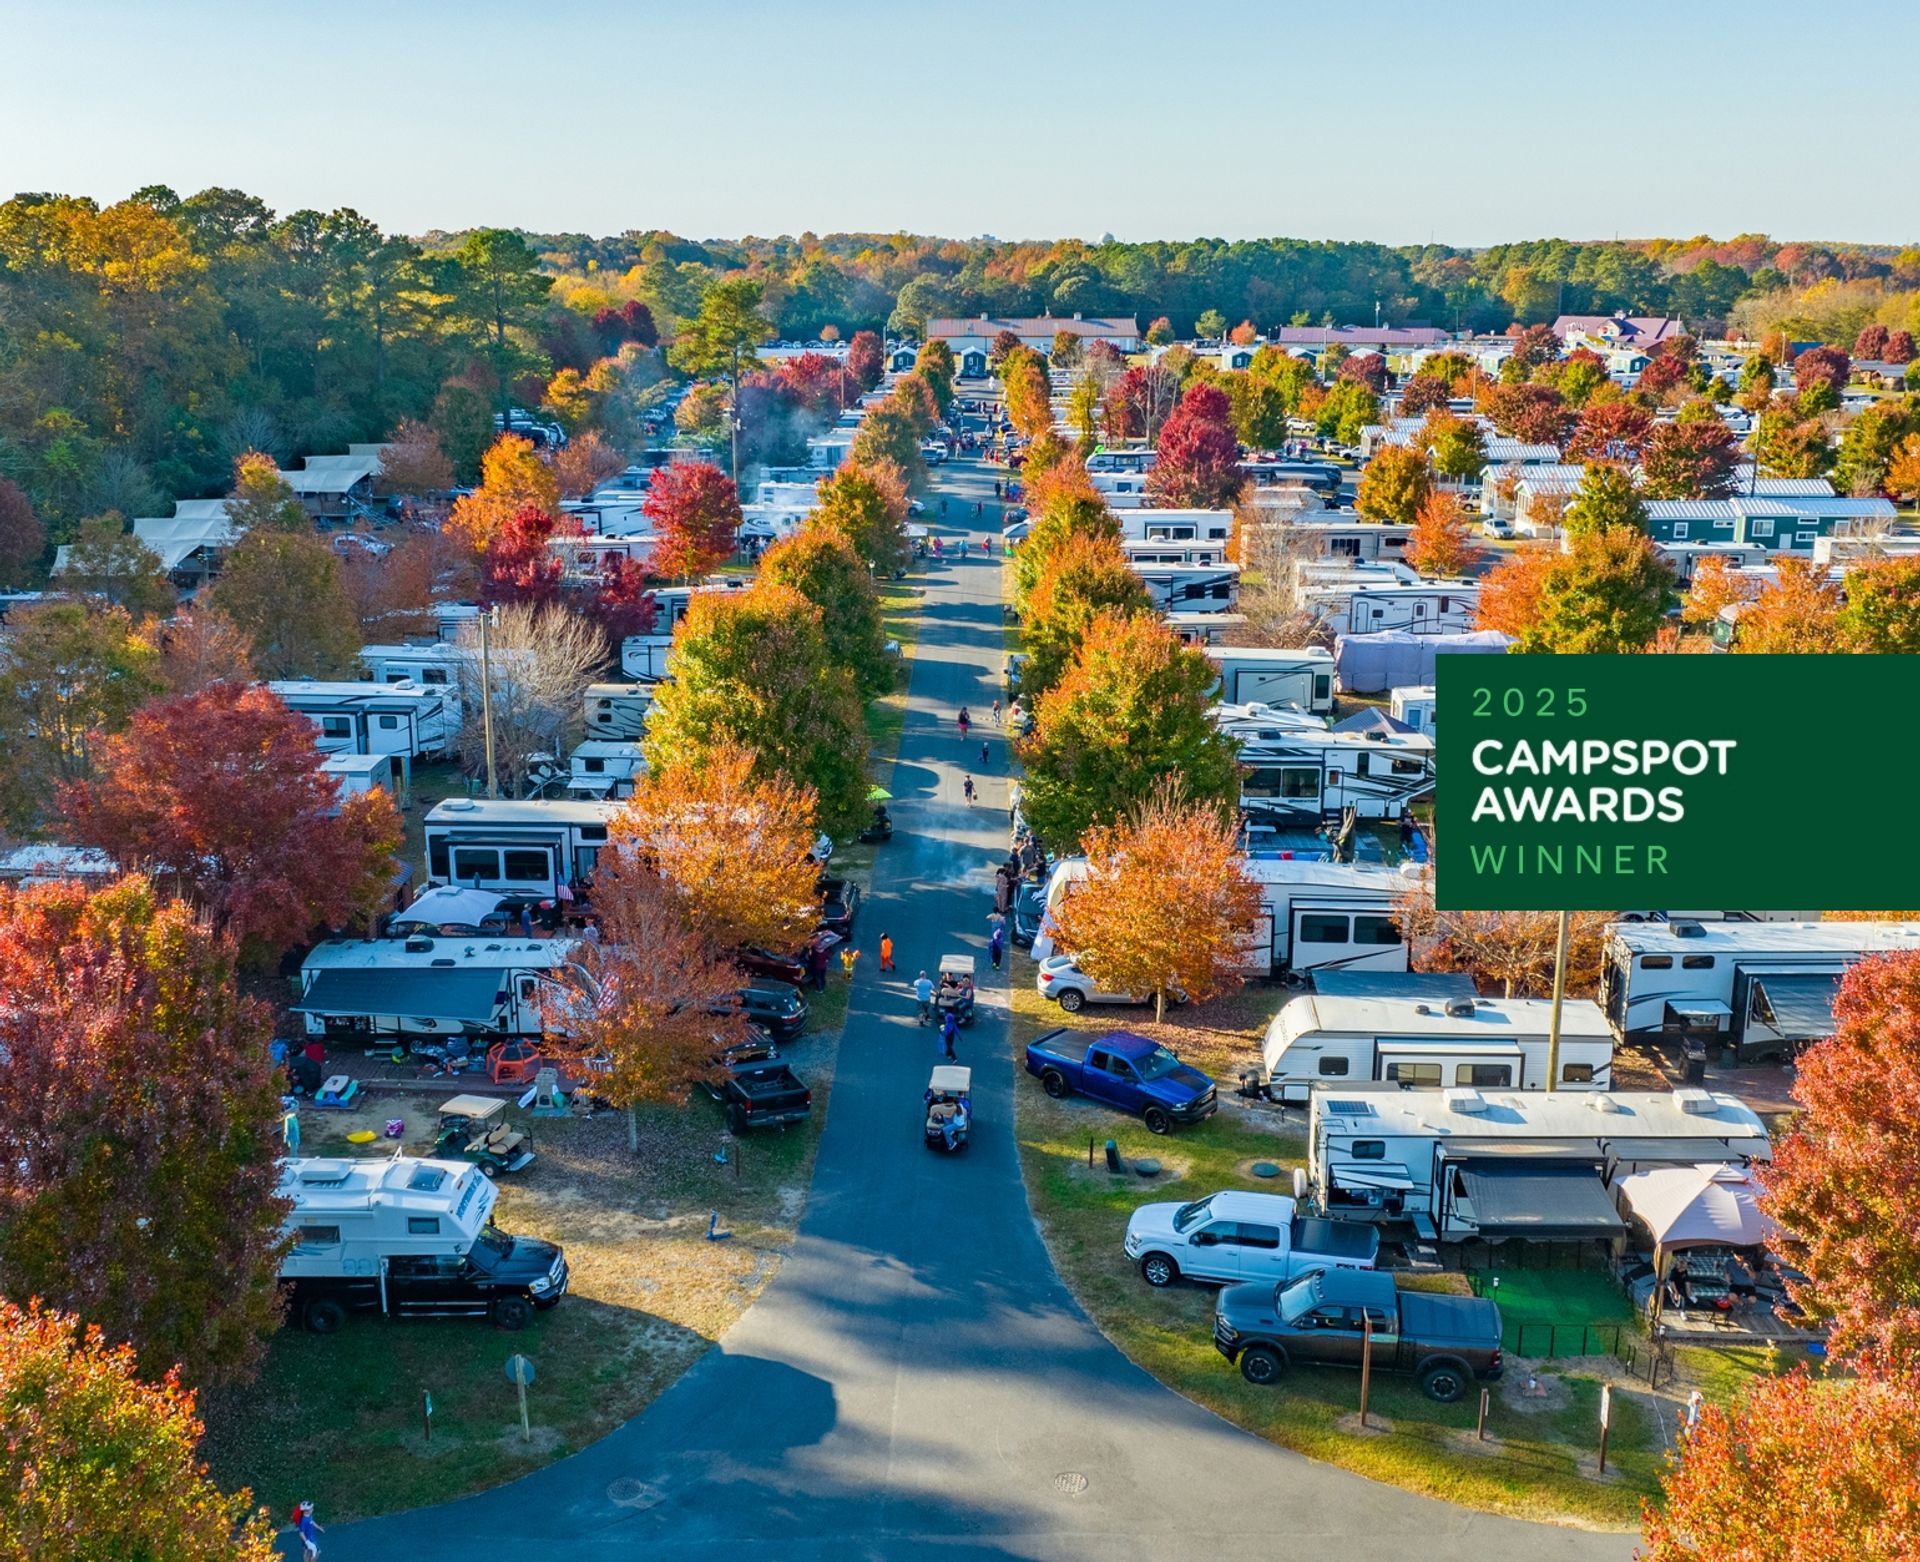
(630, 1493)
(1070, 1483)
(1146, 1166)
(1265, 1169)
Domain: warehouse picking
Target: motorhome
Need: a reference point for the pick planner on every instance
(1321, 477)
(526, 849)
(1349, 538)
(1463, 1163)
(1314, 914)
(588, 558)
(1260, 674)
(1483, 1043)
(1186, 588)
(413, 1238)
(1121, 492)
(617, 711)
(1256, 723)
(1413, 705)
(484, 987)
(1123, 458)
(402, 721)
(432, 664)
(1306, 777)
(647, 658)
(1433, 607)
(1762, 988)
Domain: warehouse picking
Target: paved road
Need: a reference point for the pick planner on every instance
(916, 1376)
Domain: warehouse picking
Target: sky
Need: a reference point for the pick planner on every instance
(1466, 123)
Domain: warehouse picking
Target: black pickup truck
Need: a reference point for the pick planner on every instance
(761, 1093)
(1445, 1340)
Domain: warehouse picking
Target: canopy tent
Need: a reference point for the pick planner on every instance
(1541, 1203)
(1697, 1206)
(449, 905)
(464, 995)
(1800, 1008)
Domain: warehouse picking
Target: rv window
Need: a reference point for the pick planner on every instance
(528, 865)
(389, 723)
(474, 862)
(1656, 962)
(1333, 1066)
(1414, 1073)
(319, 1236)
(1369, 1149)
(593, 832)
(433, 675)
(1696, 962)
(1486, 1076)
(423, 1225)
(1323, 686)
(594, 767)
(1333, 776)
(436, 859)
(1408, 767)
(1577, 1074)
(336, 726)
(1299, 782)
(1323, 927)
(1375, 930)
(1259, 1236)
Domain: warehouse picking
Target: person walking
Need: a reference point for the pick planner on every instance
(817, 965)
(923, 990)
(996, 711)
(308, 1530)
(996, 943)
(964, 721)
(949, 1034)
(983, 756)
(966, 788)
(886, 951)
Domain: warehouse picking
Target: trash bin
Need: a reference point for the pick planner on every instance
(1694, 1070)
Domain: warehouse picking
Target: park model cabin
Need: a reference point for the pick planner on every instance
(1185, 588)
(1259, 675)
(1305, 777)
(523, 849)
(1444, 607)
(617, 712)
(1314, 915)
(483, 987)
(1475, 1043)
(1763, 988)
(1460, 1164)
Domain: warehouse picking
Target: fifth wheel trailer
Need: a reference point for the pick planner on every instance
(1265, 676)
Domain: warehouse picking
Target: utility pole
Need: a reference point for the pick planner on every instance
(733, 415)
(1559, 993)
(486, 696)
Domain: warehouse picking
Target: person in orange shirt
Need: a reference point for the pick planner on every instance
(886, 952)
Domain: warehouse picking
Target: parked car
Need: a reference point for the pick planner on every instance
(765, 1094)
(1125, 1071)
(1233, 1236)
(1029, 910)
(1445, 1341)
(1497, 526)
(1062, 980)
(756, 960)
(776, 1008)
(839, 901)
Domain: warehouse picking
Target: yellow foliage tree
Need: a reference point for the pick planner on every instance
(1716, 584)
(512, 476)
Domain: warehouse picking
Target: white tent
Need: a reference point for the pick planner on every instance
(448, 905)
(1697, 1206)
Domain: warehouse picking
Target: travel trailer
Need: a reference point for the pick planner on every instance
(525, 849)
(1185, 588)
(617, 712)
(1190, 553)
(1307, 777)
(1199, 629)
(484, 987)
(1249, 674)
(1314, 915)
(646, 658)
(413, 1238)
(357, 774)
(1175, 526)
(1482, 1043)
(599, 768)
(1463, 1163)
(1762, 988)
(1413, 704)
(432, 664)
(1434, 607)
(401, 720)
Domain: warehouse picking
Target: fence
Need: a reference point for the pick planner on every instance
(1524, 1338)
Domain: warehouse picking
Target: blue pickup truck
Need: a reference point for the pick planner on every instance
(1126, 1071)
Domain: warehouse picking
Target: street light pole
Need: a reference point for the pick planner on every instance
(1559, 993)
(486, 697)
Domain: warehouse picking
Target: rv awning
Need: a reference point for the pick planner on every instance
(1802, 1006)
(1540, 1202)
(465, 994)
(1701, 1011)
(1380, 1177)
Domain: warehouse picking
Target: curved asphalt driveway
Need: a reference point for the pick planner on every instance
(916, 1376)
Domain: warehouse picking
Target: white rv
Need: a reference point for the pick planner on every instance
(1185, 588)
(403, 720)
(1413, 704)
(1314, 915)
(1481, 1043)
(357, 774)
(647, 658)
(1188, 553)
(485, 987)
(1199, 629)
(1260, 674)
(599, 768)
(1175, 526)
(1762, 988)
(1306, 777)
(432, 664)
(617, 711)
(525, 849)
(1434, 607)
(1459, 1164)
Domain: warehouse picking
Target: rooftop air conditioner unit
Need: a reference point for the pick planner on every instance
(1459, 1008)
(1688, 929)
(1469, 1102)
(1697, 1103)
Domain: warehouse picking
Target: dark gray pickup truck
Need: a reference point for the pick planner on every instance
(1445, 1340)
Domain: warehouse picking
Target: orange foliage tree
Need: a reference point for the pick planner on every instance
(1440, 543)
(1166, 906)
(95, 1462)
(1716, 584)
(586, 462)
(1512, 591)
(730, 848)
(1029, 393)
(1845, 1181)
(1509, 950)
(1799, 612)
(512, 476)
(1800, 1469)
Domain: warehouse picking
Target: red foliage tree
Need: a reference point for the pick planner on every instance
(1534, 414)
(1423, 393)
(1899, 348)
(1689, 458)
(518, 566)
(1368, 369)
(1199, 461)
(818, 382)
(1535, 346)
(620, 602)
(22, 537)
(1662, 374)
(220, 794)
(632, 322)
(1610, 431)
(695, 510)
(1871, 343)
(866, 359)
(1823, 365)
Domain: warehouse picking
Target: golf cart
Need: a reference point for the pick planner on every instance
(474, 1128)
(954, 995)
(949, 1107)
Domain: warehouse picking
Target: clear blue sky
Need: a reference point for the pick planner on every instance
(1467, 123)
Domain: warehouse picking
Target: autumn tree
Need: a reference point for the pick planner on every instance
(22, 536)
(1800, 1468)
(1029, 394)
(108, 562)
(1797, 612)
(1828, 366)
(1394, 485)
(199, 647)
(1871, 342)
(752, 669)
(868, 507)
(1532, 414)
(1611, 431)
(1868, 446)
(1882, 615)
(1199, 457)
(889, 438)
(1086, 576)
(1440, 543)
(1509, 951)
(1141, 400)
(1160, 332)
(262, 500)
(1455, 446)
(97, 1462)
(1606, 498)
(1166, 905)
(512, 476)
(720, 338)
(1609, 593)
(71, 675)
(413, 462)
(1533, 349)
(584, 464)
(822, 565)
(1715, 584)
(1787, 444)
(934, 364)
(866, 359)
(1845, 1179)
(221, 797)
(1368, 369)
(1693, 457)
(139, 1119)
(1063, 506)
(1345, 409)
(1131, 708)
(286, 592)
(1903, 469)
(543, 656)
(730, 848)
(1422, 393)
(695, 511)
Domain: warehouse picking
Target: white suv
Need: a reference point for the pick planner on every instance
(1060, 979)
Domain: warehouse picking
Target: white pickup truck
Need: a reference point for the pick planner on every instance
(1231, 1237)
